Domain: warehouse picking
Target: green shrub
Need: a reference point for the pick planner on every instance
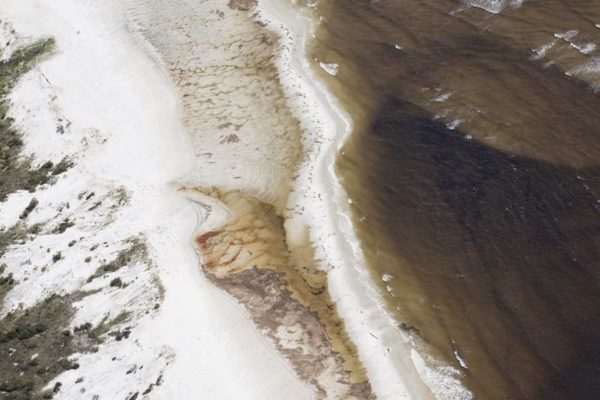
(30, 207)
(116, 283)
(63, 226)
(57, 256)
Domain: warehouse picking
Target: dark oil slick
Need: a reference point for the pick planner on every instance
(474, 172)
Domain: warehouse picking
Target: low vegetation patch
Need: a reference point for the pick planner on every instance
(63, 226)
(35, 346)
(17, 172)
(117, 282)
(16, 233)
(136, 251)
(30, 207)
(6, 282)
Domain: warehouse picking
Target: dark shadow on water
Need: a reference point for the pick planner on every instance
(504, 248)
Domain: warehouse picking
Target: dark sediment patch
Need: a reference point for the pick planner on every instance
(249, 259)
(272, 308)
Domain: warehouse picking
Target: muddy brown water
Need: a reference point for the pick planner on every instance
(474, 172)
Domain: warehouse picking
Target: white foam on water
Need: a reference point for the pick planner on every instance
(495, 6)
(330, 68)
(443, 97)
(586, 48)
(568, 35)
(542, 50)
(590, 67)
(454, 124)
(442, 379)
(460, 360)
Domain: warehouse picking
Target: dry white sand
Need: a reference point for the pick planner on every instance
(125, 132)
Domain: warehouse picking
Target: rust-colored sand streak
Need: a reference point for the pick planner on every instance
(249, 259)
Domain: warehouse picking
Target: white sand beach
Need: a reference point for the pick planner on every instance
(195, 121)
(125, 131)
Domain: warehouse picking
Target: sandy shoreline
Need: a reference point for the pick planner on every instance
(305, 211)
(199, 113)
(391, 368)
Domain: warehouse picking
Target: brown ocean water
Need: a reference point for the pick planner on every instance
(474, 172)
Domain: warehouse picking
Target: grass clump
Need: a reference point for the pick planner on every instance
(63, 226)
(15, 234)
(9, 236)
(6, 283)
(117, 282)
(21, 61)
(136, 251)
(57, 256)
(30, 207)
